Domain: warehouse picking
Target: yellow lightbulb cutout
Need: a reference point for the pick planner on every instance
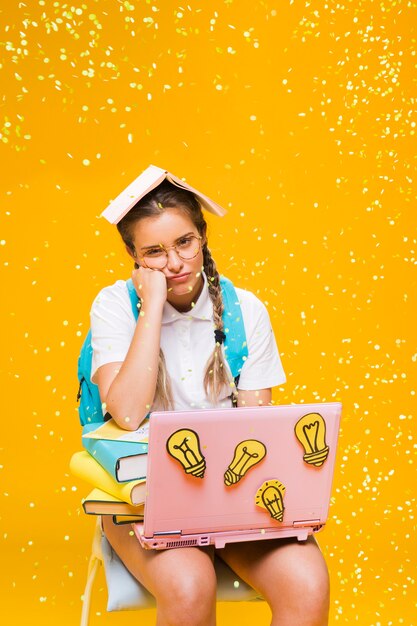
(184, 445)
(310, 431)
(247, 454)
(270, 496)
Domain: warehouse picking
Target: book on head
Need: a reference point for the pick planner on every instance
(143, 184)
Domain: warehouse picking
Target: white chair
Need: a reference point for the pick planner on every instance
(126, 594)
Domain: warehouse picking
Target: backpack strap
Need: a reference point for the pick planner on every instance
(134, 298)
(235, 347)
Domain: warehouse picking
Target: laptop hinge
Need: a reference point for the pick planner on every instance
(306, 522)
(164, 533)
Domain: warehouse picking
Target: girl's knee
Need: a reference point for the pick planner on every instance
(188, 599)
(314, 596)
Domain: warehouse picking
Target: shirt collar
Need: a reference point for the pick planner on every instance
(202, 310)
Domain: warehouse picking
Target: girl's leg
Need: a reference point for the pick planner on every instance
(182, 580)
(292, 577)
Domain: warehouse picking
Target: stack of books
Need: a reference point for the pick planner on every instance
(114, 463)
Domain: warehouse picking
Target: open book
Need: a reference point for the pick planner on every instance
(143, 184)
(111, 431)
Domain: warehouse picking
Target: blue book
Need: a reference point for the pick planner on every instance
(123, 460)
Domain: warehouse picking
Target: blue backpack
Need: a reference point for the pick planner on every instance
(236, 351)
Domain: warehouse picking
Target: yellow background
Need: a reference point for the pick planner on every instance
(299, 117)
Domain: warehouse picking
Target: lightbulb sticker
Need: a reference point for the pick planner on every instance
(310, 431)
(247, 454)
(270, 496)
(184, 446)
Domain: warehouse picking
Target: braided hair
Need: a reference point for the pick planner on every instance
(216, 375)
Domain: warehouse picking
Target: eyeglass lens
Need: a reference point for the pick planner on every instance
(187, 248)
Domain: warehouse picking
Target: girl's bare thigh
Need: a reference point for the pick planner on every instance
(163, 572)
(292, 576)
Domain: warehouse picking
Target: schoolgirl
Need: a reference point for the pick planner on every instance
(173, 358)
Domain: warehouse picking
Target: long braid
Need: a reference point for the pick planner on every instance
(216, 375)
(163, 391)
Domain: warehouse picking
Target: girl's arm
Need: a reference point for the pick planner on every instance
(260, 397)
(128, 388)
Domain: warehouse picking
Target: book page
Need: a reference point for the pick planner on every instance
(206, 202)
(110, 430)
(143, 184)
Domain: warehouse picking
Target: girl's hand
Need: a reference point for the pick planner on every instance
(150, 285)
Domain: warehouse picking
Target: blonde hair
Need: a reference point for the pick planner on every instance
(216, 375)
(155, 203)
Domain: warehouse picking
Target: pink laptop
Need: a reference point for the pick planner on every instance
(225, 475)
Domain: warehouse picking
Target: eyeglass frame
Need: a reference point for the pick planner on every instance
(174, 246)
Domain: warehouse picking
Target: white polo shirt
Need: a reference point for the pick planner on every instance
(187, 341)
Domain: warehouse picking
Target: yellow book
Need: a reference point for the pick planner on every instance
(99, 502)
(85, 467)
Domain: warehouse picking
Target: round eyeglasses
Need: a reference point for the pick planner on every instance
(187, 248)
